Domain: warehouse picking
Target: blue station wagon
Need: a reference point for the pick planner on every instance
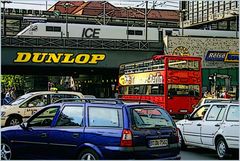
(93, 130)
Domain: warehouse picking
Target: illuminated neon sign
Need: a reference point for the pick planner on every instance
(141, 78)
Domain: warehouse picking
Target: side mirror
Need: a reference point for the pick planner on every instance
(187, 116)
(24, 125)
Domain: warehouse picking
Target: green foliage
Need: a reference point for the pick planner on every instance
(8, 81)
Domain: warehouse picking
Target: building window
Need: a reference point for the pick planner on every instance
(215, 9)
(200, 16)
(205, 15)
(227, 6)
(195, 17)
(210, 4)
(221, 8)
(233, 4)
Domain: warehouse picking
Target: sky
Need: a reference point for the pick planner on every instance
(42, 5)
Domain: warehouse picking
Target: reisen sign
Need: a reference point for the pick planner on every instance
(225, 56)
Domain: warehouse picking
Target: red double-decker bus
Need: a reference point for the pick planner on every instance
(173, 82)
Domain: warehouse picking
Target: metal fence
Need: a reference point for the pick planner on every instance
(74, 43)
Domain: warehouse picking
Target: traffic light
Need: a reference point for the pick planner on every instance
(211, 79)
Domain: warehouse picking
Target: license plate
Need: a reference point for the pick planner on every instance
(158, 143)
(183, 110)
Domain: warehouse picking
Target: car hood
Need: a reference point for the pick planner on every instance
(6, 107)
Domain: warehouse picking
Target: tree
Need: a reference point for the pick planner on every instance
(8, 81)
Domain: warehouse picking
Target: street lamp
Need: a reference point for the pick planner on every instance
(146, 13)
(127, 22)
(4, 22)
(67, 5)
(104, 12)
(235, 13)
(182, 17)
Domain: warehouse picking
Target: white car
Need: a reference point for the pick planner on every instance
(28, 104)
(214, 126)
(211, 100)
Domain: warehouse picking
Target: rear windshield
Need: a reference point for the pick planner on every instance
(151, 117)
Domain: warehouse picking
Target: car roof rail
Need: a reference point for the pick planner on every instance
(71, 100)
(90, 100)
(106, 100)
(234, 101)
(136, 100)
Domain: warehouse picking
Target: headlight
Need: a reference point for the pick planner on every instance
(2, 113)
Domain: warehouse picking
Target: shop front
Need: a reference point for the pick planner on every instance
(220, 60)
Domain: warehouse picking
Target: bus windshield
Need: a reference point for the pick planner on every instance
(183, 90)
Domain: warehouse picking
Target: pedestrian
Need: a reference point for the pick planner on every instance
(226, 95)
(12, 93)
(8, 93)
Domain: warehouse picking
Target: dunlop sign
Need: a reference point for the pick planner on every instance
(62, 58)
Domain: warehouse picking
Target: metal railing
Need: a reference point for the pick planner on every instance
(19, 13)
(75, 43)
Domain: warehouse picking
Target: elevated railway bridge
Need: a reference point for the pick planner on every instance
(97, 60)
(92, 62)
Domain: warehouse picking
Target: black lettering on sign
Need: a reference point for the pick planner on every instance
(96, 33)
(90, 33)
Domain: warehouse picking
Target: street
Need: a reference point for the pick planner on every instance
(195, 153)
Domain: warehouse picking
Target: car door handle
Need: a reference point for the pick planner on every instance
(199, 124)
(43, 135)
(217, 125)
(75, 135)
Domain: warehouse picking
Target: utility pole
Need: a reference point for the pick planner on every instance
(66, 6)
(127, 23)
(182, 18)
(4, 21)
(104, 13)
(146, 14)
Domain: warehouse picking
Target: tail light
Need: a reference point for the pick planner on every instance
(126, 140)
(176, 133)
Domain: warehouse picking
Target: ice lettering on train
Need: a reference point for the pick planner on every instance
(90, 33)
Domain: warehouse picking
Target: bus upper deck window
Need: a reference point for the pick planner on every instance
(193, 65)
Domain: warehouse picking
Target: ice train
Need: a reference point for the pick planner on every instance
(87, 31)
